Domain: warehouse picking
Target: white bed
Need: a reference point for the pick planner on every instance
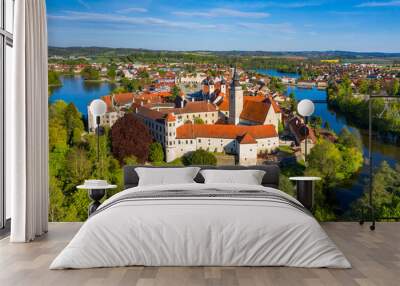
(207, 230)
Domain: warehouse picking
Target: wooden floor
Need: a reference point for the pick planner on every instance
(375, 257)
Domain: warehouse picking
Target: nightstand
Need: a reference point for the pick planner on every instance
(96, 193)
(305, 190)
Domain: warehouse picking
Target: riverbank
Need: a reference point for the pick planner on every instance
(351, 190)
(356, 110)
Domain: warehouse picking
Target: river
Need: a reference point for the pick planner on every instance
(81, 93)
(381, 151)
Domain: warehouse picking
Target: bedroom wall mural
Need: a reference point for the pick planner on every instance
(186, 84)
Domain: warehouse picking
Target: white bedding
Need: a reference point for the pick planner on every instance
(200, 231)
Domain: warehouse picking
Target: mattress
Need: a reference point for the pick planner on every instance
(201, 225)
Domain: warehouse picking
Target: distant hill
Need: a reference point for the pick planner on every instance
(103, 51)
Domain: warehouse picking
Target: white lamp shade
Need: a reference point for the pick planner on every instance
(98, 107)
(305, 107)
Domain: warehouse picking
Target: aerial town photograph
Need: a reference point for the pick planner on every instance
(187, 95)
(287, 111)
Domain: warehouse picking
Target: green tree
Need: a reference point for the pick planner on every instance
(200, 157)
(72, 159)
(276, 85)
(334, 162)
(156, 153)
(325, 161)
(316, 121)
(395, 87)
(386, 192)
(119, 89)
(285, 185)
(327, 126)
(54, 78)
(80, 203)
(143, 74)
(56, 199)
(198, 120)
(73, 124)
(78, 168)
(364, 87)
(89, 73)
(281, 127)
(112, 73)
(349, 140)
(175, 93)
(293, 101)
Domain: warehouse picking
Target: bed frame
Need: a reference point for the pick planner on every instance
(271, 177)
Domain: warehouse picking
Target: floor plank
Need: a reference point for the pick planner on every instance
(375, 257)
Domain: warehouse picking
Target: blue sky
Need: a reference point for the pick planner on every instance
(291, 25)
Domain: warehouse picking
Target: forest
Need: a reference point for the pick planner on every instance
(73, 158)
(353, 104)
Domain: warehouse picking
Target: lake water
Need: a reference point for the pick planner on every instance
(381, 151)
(81, 93)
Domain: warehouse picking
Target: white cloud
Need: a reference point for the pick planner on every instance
(132, 10)
(301, 4)
(286, 28)
(120, 19)
(222, 12)
(380, 4)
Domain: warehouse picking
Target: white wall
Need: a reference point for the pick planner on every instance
(247, 154)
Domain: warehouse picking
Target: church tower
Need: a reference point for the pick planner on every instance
(235, 100)
(223, 86)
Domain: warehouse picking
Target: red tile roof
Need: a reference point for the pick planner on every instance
(149, 98)
(162, 93)
(224, 105)
(255, 108)
(149, 113)
(170, 117)
(195, 107)
(257, 98)
(191, 131)
(123, 98)
(107, 99)
(247, 139)
(255, 111)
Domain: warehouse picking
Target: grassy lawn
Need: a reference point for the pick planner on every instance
(176, 162)
(286, 149)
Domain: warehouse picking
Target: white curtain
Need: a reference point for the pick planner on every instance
(26, 124)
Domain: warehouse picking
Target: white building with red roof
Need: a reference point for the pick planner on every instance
(244, 141)
(252, 129)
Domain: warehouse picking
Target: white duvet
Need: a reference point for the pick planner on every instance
(200, 231)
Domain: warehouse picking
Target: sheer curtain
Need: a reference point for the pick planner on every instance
(26, 124)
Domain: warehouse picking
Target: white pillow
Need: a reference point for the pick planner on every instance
(248, 177)
(166, 176)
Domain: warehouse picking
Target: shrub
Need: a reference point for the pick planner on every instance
(200, 157)
(156, 153)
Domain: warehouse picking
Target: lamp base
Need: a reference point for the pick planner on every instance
(96, 195)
